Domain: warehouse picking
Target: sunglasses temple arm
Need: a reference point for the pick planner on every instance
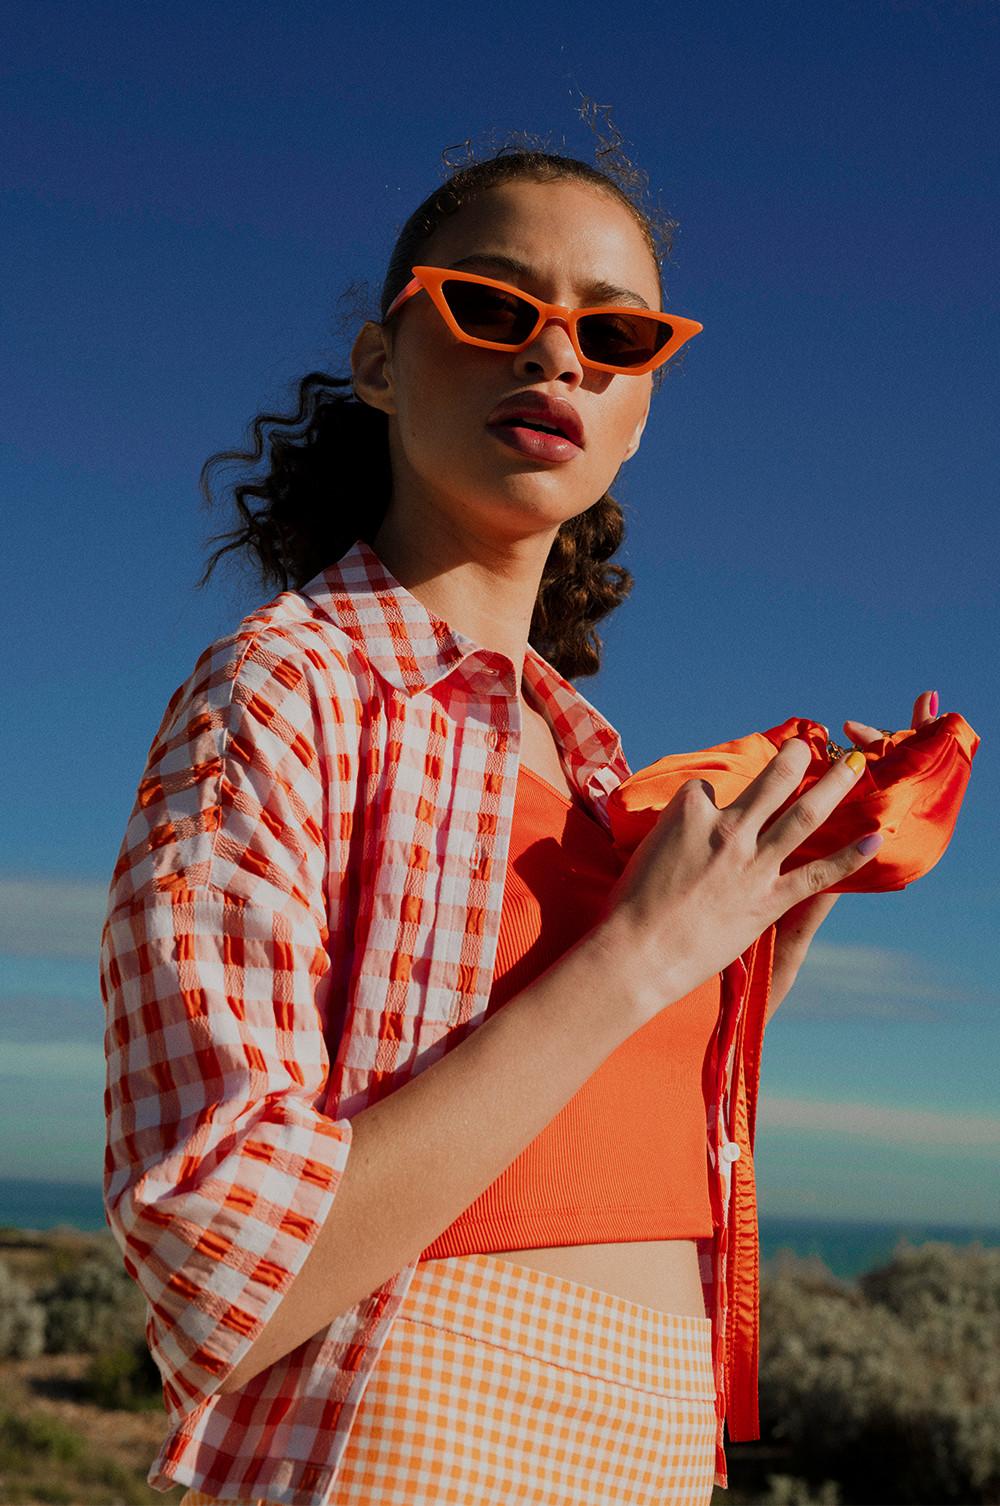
(413, 286)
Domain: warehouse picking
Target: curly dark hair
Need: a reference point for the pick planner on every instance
(335, 447)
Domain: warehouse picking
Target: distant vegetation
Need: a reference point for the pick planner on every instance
(888, 1387)
(86, 1306)
(873, 1392)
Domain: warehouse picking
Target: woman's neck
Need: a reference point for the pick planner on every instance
(486, 591)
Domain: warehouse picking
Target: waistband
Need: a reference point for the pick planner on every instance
(537, 1313)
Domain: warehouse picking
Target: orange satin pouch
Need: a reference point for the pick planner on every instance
(910, 790)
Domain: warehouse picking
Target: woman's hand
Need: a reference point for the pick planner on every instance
(797, 927)
(705, 881)
(925, 709)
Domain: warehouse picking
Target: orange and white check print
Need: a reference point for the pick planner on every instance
(304, 910)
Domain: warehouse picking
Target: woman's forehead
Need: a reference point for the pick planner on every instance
(562, 225)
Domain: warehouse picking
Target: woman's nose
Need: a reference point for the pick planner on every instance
(550, 355)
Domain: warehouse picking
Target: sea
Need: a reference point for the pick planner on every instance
(846, 1247)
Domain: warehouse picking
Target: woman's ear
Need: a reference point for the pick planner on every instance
(633, 443)
(371, 367)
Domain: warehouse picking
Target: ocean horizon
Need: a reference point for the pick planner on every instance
(846, 1246)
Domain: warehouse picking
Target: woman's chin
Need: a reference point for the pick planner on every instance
(524, 505)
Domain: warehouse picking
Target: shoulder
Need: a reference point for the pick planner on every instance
(256, 756)
(285, 663)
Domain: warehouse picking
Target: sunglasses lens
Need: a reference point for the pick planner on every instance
(622, 340)
(490, 313)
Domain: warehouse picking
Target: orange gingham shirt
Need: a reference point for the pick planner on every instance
(304, 914)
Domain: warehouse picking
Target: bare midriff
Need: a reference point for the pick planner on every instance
(658, 1273)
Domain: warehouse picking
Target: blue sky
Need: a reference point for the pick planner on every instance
(812, 519)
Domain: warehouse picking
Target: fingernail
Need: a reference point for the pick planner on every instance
(870, 844)
(856, 761)
(934, 704)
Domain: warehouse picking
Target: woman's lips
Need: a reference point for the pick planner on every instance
(535, 443)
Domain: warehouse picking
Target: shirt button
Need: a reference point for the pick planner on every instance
(493, 737)
(730, 1151)
(475, 857)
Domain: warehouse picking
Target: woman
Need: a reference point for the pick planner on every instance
(408, 1078)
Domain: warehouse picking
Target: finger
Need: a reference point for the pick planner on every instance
(819, 875)
(772, 786)
(810, 810)
(922, 709)
(861, 733)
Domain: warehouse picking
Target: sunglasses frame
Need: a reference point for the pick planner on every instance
(431, 279)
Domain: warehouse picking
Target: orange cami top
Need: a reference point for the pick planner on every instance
(627, 1157)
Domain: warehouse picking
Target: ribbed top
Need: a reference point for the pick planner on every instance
(627, 1157)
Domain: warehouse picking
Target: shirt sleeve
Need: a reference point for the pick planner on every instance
(215, 968)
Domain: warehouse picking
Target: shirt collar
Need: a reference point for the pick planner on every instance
(413, 648)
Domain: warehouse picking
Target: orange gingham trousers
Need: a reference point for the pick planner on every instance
(500, 1383)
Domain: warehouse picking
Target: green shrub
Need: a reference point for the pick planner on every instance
(124, 1379)
(91, 1307)
(39, 1438)
(789, 1490)
(22, 1319)
(950, 1293)
(41, 1459)
(890, 1387)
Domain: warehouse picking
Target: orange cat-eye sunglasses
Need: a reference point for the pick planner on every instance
(482, 311)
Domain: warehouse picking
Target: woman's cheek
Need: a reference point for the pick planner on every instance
(609, 453)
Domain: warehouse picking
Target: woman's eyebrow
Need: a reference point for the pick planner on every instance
(595, 293)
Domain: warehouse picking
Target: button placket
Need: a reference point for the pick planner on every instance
(493, 739)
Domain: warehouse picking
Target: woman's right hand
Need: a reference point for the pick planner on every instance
(704, 883)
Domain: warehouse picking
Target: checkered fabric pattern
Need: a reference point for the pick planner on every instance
(304, 914)
(503, 1383)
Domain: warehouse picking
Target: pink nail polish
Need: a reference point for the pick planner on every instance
(934, 704)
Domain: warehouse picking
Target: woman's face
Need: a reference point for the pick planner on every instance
(567, 243)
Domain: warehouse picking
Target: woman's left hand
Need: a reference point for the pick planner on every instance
(797, 927)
